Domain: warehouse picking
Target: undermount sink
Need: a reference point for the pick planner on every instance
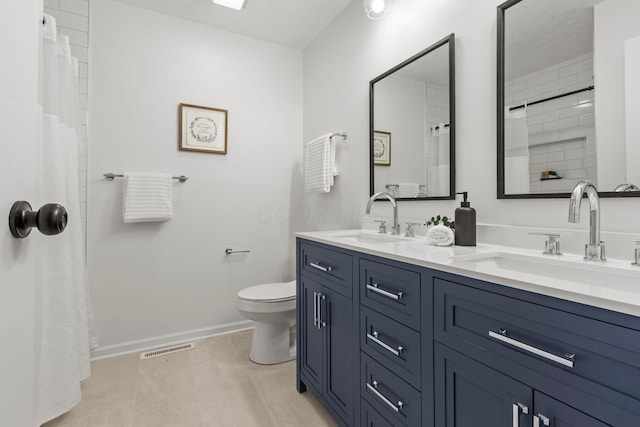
(364, 237)
(572, 270)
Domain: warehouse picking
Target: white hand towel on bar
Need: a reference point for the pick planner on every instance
(408, 189)
(147, 197)
(319, 164)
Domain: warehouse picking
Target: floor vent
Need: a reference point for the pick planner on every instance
(167, 350)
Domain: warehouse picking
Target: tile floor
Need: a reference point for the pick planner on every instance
(214, 384)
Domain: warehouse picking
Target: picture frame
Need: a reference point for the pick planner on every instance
(381, 148)
(202, 129)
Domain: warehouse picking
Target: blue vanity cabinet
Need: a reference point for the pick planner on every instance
(327, 345)
(580, 364)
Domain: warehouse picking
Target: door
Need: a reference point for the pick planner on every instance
(311, 334)
(19, 38)
(469, 394)
(337, 320)
(553, 413)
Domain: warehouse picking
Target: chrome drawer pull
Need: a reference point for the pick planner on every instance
(537, 418)
(517, 407)
(374, 287)
(384, 345)
(502, 336)
(317, 266)
(374, 389)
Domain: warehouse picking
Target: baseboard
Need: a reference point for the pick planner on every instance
(103, 352)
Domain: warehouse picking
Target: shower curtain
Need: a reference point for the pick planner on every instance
(516, 152)
(64, 328)
(440, 156)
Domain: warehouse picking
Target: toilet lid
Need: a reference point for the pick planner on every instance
(271, 292)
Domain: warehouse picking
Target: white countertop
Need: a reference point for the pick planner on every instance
(613, 285)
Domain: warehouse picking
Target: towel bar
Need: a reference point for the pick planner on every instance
(111, 176)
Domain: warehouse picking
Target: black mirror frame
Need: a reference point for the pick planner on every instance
(500, 118)
(452, 116)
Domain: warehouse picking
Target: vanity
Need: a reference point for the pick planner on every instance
(394, 332)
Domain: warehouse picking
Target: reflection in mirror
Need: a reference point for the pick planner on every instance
(412, 126)
(548, 78)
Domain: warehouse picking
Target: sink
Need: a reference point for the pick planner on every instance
(375, 238)
(571, 271)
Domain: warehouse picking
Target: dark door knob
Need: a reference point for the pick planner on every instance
(50, 219)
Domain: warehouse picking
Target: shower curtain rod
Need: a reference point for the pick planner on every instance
(551, 98)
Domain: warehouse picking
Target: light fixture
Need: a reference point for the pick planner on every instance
(233, 4)
(376, 9)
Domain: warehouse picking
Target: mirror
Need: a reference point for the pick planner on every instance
(561, 97)
(412, 126)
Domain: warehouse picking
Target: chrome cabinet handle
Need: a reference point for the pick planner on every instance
(374, 337)
(502, 336)
(315, 309)
(537, 418)
(374, 389)
(374, 287)
(321, 323)
(317, 266)
(517, 407)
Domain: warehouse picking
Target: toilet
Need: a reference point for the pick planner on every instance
(272, 306)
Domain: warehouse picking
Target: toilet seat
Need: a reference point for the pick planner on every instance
(269, 292)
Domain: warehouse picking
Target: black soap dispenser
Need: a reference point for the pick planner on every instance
(465, 231)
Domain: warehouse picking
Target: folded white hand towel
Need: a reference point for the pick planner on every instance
(440, 235)
(147, 197)
(319, 164)
(408, 189)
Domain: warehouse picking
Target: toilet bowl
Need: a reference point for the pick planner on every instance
(272, 306)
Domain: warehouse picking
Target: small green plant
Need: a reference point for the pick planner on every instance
(441, 219)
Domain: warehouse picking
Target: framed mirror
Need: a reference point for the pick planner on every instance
(561, 74)
(412, 126)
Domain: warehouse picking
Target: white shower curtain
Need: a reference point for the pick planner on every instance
(516, 152)
(64, 329)
(440, 156)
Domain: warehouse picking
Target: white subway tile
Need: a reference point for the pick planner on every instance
(79, 7)
(76, 38)
(586, 119)
(82, 53)
(575, 154)
(70, 20)
(543, 118)
(561, 83)
(51, 4)
(569, 122)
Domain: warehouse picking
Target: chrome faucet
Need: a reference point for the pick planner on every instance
(594, 250)
(395, 229)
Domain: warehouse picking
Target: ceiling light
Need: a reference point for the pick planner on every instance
(376, 9)
(233, 4)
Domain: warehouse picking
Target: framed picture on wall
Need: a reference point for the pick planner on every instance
(381, 148)
(203, 129)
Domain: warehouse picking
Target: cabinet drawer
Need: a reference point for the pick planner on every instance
(538, 337)
(334, 267)
(392, 397)
(392, 291)
(372, 418)
(391, 343)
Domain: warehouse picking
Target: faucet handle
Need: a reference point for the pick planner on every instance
(410, 232)
(552, 245)
(382, 229)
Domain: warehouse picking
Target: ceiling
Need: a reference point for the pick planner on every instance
(292, 23)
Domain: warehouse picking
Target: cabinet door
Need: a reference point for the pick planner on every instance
(310, 341)
(469, 394)
(552, 413)
(338, 325)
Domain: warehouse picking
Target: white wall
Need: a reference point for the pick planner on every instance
(155, 280)
(400, 109)
(337, 68)
(615, 21)
(19, 36)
